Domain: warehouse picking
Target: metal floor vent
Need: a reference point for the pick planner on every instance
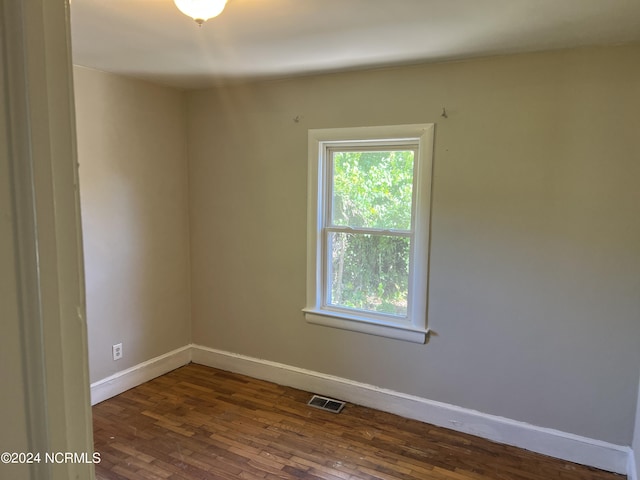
(324, 403)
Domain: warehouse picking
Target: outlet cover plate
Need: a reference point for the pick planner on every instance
(117, 351)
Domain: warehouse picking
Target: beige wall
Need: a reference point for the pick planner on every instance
(133, 180)
(535, 238)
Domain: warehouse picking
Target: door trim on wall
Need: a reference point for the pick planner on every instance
(37, 98)
(632, 468)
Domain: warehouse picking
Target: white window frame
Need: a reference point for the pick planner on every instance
(413, 328)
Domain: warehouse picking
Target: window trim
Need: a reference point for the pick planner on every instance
(414, 328)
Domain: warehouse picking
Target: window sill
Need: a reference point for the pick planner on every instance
(355, 323)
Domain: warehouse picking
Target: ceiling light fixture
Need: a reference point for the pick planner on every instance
(201, 10)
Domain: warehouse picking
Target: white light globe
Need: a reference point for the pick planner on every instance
(201, 10)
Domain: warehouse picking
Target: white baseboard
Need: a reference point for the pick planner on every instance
(555, 443)
(138, 374)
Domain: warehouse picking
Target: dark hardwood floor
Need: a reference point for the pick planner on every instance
(201, 423)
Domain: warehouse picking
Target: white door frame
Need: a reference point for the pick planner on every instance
(36, 99)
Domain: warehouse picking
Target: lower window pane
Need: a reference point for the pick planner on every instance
(369, 272)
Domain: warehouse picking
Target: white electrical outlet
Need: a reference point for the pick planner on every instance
(117, 351)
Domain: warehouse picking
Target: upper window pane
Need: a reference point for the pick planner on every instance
(372, 189)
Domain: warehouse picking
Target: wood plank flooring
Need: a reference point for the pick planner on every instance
(199, 423)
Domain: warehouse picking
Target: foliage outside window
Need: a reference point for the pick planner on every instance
(368, 229)
(368, 236)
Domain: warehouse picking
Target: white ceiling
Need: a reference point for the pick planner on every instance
(151, 39)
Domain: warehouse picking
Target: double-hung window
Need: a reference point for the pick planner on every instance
(368, 229)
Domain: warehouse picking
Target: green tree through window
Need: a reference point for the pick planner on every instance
(369, 231)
